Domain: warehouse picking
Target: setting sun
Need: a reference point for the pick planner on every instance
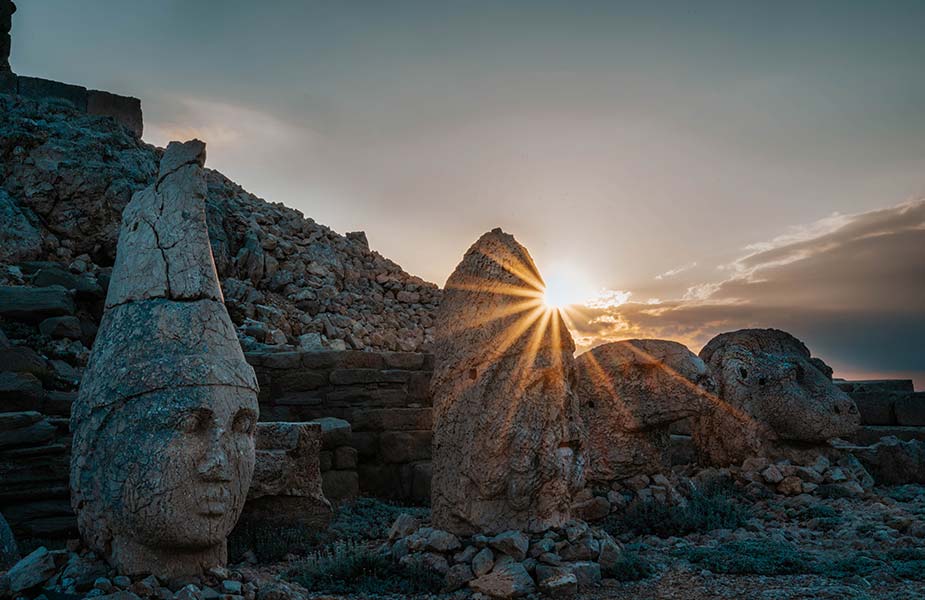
(565, 286)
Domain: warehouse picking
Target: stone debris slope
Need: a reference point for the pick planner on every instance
(65, 178)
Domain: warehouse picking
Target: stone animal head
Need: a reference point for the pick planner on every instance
(768, 377)
(630, 392)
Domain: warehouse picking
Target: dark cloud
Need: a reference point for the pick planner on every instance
(852, 287)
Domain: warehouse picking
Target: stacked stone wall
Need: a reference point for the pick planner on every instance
(887, 407)
(385, 396)
(124, 109)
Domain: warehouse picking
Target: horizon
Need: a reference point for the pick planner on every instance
(671, 178)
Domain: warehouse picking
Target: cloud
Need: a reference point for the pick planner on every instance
(675, 271)
(851, 286)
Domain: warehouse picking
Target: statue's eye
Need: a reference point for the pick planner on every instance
(192, 421)
(244, 422)
(743, 373)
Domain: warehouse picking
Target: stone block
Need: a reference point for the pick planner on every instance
(345, 458)
(408, 361)
(22, 359)
(419, 387)
(682, 427)
(340, 485)
(281, 360)
(326, 459)
(33, 305)
(876, 408)
(43, 89)
(321, 360)
(357, 359)
(32, 434)
(334, 432)
(875, 385)
(420, 481)
(870, 434)
(405, 446)
(366, 443)
(370, 396)
(392, 419)
(298, 380)
(124, 109)
(287, 460)
(58, 403)
(66, 327)
(383, 481)
(910, 410)
(20, 391)
(367, 376)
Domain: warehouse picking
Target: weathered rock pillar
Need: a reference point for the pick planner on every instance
(164, 423)
(7, 8)
(508, 439)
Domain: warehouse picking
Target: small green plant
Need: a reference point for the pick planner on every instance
(271, 544)
(368, 519)
(759, 557)
(354, 568)
(712, 508)
(629, 567)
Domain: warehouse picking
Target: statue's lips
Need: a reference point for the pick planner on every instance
(215, 501)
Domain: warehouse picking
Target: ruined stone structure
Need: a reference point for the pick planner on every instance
(164, 423)
(508, 440)
(384, 396)
(7, 8)
(123, 109)
(286, 488)
(774, 399)
(630, 392)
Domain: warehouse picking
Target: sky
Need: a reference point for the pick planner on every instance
(678, 168)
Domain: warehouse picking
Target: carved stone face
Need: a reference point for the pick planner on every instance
(790, 394)
(182, 466)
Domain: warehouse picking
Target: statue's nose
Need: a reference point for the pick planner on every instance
(214, 465)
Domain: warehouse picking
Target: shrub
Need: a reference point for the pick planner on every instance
(271, 544)
(760, 557)
(368, 519)
(712, 508)
(630, 567)
(362, 519)
(351, 567)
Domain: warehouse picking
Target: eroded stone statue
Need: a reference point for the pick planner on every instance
(164, 423)
(630, 392)
(775, 399)
(508, 440)
(7, 8)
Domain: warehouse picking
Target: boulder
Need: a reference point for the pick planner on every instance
(165, 419)
(892, 461)
(773, 398)
(631, 392)
(33, 305)
(508, 447)
(286, 488)
(507, 580)
(31, 571)
(9, 551)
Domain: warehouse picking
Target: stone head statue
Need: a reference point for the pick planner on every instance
(164, 423)
(773, 394)
(630, 392)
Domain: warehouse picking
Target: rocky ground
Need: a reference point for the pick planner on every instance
(724, 545)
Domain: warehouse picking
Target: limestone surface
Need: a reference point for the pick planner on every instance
(508, 446)
(630, 392)
(164, 422)
(774, 398)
